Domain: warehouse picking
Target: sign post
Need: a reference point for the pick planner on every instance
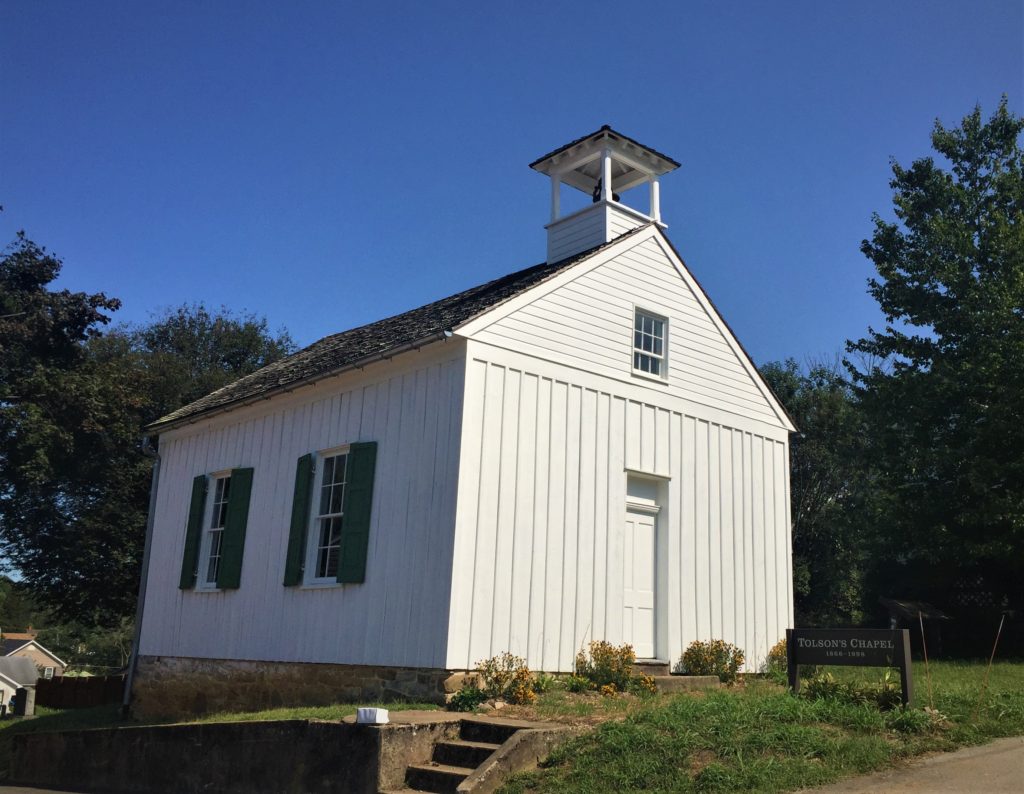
(850, 647)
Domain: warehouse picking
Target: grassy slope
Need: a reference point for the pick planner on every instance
(763, 739)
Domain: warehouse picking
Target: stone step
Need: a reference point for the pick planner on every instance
(493, 731)
(652, 667)
(438, 778)
(686, 683)
(459, 752)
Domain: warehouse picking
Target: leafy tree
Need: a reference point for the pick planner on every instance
(74, 481)
(828, 482)
(57, 428)
(18, 611)
(188, 352)
(946, 416)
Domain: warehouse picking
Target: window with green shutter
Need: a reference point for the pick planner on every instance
(330, 524)
(215, 536)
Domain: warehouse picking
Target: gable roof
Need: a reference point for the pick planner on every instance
(20, 670)
(10, 644)
(358, 346)
(19, 645)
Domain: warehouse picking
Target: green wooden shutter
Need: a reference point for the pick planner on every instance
(355, 528)
(300, 521)
(193, 533)
(229, 575)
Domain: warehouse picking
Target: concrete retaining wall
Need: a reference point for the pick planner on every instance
(245, 757)
(177, 687)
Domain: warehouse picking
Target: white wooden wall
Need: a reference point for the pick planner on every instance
(411, 407)
(587, 323)
(583, 229)
(543, 489)
(553, 421)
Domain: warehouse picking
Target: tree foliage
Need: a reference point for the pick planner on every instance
(74, 481)
(828, 486)
(945, 416)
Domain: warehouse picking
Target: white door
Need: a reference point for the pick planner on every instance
(638, 583)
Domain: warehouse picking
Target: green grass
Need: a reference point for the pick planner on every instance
(335, 712)
(53, 720)
(761, 738)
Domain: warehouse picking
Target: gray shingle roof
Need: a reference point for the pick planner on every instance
(20, 670)
(10, 646)
(379, 339)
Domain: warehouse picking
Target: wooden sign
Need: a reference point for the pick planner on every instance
(855, 647)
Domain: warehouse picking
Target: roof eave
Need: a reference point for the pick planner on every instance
(161, 426)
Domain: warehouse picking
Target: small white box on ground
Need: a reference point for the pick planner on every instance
(370, 716)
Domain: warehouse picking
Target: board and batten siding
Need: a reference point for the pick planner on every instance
(411, 406)
(542, 504)
(587, 323)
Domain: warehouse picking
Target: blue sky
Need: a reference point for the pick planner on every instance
(326, 164)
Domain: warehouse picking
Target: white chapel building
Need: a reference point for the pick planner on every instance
(576, 451)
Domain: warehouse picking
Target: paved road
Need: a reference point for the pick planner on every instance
(996, 768)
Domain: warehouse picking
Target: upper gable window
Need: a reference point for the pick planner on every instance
(650, 344)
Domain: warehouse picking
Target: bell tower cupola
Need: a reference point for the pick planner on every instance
(602, 165)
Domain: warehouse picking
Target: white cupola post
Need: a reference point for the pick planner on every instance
(602, 165)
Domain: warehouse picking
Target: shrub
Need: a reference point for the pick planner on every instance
(467, 698)
(776, 664)
(885, 695)
(507, 677)
(609, 690)
(578, 683)
(715, 657)
(607, 664)
(543, 683)
(643, 684)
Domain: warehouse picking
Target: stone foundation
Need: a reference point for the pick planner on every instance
(177, 687)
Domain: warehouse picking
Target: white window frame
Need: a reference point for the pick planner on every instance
(210, 533)
(313, 528)
(48, 672)
(634, 351)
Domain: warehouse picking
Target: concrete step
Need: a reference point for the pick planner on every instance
(438, 778)
(686, 683)
(652, 667)
(459, 752)
(490, 729)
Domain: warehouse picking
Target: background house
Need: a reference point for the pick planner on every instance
(24, 645)
(16, 673)
(579, 450)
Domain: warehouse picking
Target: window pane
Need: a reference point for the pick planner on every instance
(327, 549)
(339, 468)
(337, 493)
(657, 347)
(213, 565)
(655, 367)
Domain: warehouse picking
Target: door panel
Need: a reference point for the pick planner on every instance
(639, 583)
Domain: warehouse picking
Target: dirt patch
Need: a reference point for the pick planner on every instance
(701, 759)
